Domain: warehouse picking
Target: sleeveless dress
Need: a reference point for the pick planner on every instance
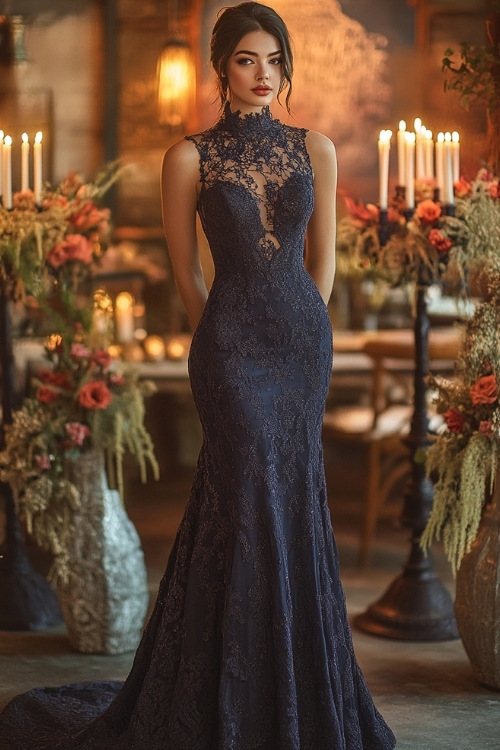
(249, 646)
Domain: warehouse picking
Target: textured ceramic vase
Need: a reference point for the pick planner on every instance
(105, 599)
(477, 602)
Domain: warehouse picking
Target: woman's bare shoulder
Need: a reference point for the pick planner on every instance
(319, 145)
(181, 155)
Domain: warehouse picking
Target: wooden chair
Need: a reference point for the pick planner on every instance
(381, 424)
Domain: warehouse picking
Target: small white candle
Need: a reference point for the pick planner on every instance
(37, 168)
(25, 164)
(401, 153)
(124, 317)
(448, 171)
(429, 155)
(419, 149)
(440, 165)
(455, 150)
(7, 172)
(384, 146)
(1, 161)
(410, 169)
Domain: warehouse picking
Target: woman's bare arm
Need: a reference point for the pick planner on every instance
(179, 181)
(321, 230)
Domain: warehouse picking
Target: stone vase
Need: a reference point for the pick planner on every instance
(477, 601)
(105, 599)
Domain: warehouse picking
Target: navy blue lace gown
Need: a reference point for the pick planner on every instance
(248, 647)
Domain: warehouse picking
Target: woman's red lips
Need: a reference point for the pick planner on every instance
(262, 90)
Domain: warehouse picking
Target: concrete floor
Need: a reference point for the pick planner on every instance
(426, 691)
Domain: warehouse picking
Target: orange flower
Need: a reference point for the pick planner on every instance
(89, 216)
(95, 395)
(361, 214)
(438, 240)
(484, 390)
(428, 212)
(463, 188)
(46, 395)
(454, 420)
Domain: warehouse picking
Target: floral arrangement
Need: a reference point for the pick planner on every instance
(82, 399)
(425, 244)
(465, 454)
(69, 226)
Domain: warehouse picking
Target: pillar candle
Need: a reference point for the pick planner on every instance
(37, 168)
(429, 155)
(25, 165)
(440, 165)
(401, 153)
(7, 172)
(124, 317)
(1, 162)
(384, 146)
(448, 171)
(455, 150)
(410, 169)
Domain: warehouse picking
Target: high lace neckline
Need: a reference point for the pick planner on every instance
(247, 124)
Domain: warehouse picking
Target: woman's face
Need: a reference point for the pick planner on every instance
(254, 72)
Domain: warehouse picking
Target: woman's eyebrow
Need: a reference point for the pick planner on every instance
(254, 54)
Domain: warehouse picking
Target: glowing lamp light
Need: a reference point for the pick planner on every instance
(176, 83)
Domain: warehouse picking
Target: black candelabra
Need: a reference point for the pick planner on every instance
(27, 602)
(416, 606)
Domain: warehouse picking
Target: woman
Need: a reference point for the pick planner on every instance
(249, 644)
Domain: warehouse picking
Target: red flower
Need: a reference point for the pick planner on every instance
(59, 379)
(486, 427)
(103, 358)
(46, 395)
(484, 390)
(454, 420)
(428, 212)
(438, 240)
(495, 189)
(95, 395)
(77, 432)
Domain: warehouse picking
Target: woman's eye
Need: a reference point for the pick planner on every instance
(244, 61)
(275, 61)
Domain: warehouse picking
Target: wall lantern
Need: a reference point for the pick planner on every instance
(176, 83)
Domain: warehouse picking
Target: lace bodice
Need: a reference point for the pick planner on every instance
(259, 154)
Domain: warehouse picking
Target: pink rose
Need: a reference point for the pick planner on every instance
(95, 395)
(73, 247)
(79, 351)
(454, 420)
(77, 432)
(43, 462)
(428, 211)
(484, 390)
(438, 240)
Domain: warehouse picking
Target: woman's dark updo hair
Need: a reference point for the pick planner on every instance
(232, 24)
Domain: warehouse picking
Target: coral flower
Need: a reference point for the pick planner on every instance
(484, 390)
(454, 420)
(95, 395)
(73, 247)
(428, 211)
(463, 188)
